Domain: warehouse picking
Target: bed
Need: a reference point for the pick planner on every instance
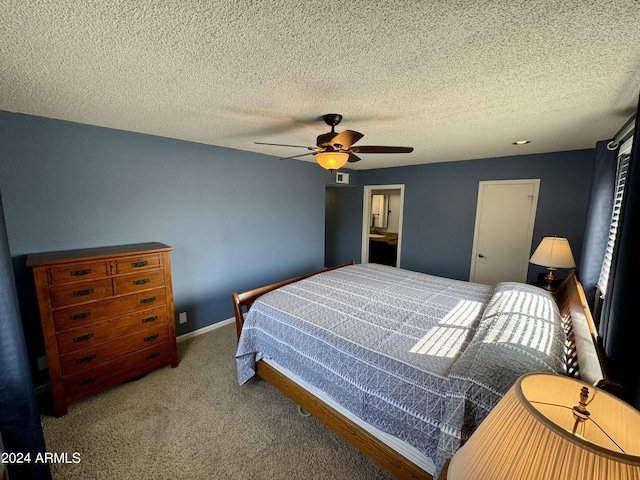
(406, 365)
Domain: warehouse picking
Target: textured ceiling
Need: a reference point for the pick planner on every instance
(455, 79)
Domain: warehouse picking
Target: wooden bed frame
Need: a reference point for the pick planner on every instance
(571, 301)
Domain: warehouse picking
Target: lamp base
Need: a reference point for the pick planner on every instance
(550, 279)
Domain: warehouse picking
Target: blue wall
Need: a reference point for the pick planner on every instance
(440, 207)
(236, 220)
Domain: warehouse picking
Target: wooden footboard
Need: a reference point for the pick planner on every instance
(570, 298)
(243, 301)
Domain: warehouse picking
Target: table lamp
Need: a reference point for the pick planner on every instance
(553, 427)
(553, 253)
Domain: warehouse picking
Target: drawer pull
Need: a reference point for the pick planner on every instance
(142, 281)
(81, 293)
(80, 316)
(139, 264)
(89, 380)
(151, 337)
(80, 273)
(83, 338)
(153, 355)
(148, 300)
(149, 319)
(88, 358)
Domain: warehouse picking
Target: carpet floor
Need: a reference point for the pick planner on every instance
(196, 422)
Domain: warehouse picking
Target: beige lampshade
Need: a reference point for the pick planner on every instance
(553, 252)
(528, 436)
(332, 160)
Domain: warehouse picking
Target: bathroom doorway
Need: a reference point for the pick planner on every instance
(382, 213)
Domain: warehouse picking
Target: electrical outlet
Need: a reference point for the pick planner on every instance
(182, 317)
(42, 363)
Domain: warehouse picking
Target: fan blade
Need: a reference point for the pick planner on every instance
(297, 156)
(284, 145)
(353, 158)
(382, 149)
(326, 138)
(346, 138)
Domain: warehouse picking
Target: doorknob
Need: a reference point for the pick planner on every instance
(482, 256)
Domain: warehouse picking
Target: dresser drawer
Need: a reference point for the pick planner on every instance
(133, 264)
(99, 353)
(80, 292)
(77, 271)
(80, 315)
(91, 334)
(92, 380)
(139, 281)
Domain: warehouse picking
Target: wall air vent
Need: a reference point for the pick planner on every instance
(342, 177)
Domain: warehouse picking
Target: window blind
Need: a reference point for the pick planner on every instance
(621, 178)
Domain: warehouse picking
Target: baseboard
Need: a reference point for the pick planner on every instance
(206, 329)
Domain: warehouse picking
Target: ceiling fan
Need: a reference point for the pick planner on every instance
(333, 150)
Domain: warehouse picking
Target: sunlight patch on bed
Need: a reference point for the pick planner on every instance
(440, 341)
(463, 314)
(445, 341)
(521, 326)
(520, 302)
(528, 332)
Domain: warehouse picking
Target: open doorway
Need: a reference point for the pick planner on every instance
(382, 224)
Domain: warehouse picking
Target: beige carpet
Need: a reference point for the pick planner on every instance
(196, 422)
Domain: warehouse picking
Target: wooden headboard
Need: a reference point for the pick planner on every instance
(585, 358)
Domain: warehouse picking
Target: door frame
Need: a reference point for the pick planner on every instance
(366, 215)
(532, 221)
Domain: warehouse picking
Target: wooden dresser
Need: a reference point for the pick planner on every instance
(107, 316)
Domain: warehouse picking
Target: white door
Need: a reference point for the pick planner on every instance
(505, 217)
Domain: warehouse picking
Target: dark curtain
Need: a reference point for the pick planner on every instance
(620, 323)
(598, 218)
(19, 417)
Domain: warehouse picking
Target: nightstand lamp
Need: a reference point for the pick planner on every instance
(553, 253)
(553, 427)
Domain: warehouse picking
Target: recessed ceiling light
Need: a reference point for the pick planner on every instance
(521, 142)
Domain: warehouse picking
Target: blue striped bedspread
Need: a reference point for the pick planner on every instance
(421, 357)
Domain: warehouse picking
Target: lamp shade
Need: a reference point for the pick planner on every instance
(528, 435)
(332, 160)
(553, 252)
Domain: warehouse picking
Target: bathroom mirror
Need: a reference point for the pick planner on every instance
(379, 211)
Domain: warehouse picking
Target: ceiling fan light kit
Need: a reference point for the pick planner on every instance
(333, 150)
(332, 160)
